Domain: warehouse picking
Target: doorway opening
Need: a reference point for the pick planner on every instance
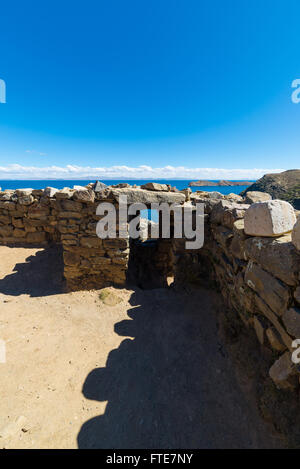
(151, 257)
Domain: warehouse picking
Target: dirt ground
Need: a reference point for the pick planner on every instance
(149, 372)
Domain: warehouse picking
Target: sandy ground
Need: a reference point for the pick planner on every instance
(150, 372)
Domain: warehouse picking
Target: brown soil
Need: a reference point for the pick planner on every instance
(148, 372)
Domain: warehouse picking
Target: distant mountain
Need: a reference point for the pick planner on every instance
(219, 183)
(284, 186)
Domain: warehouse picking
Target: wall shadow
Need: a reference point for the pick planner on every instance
(40, 275)
(172, 385)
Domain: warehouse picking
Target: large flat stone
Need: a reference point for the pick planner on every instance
(272, 218)
(147, 197)
(154, 186)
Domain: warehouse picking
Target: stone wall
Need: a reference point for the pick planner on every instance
(251, 252)
(68, 217)
(258, 276)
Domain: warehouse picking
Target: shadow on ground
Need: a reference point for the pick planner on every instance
(172, 385)
(40, 275)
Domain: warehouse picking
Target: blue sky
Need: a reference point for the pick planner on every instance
(157, 88)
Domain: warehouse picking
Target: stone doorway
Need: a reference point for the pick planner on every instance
(151, 261)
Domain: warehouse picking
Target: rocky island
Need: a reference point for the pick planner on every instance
(219, 183)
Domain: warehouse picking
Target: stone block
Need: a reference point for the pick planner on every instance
(65, 193)
(276, 255)
(90, 242)
(26, 200)
(262, 308)
(272, 218)
(18, 233)
(291, 320)
(259, 329)
(38, 237)
(71, 205)
(275, 340)
(70, 215)
(71, 258)
(147, 197)
(282, 372)
(84, 195)
(252, 197)
(154, 186)
(50, 191)
(271, 290)
(6, 230)
(296, 235)
(7, 205)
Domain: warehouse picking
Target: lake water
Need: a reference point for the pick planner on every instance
(61, 183)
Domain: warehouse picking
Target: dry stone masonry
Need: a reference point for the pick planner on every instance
(251, 252)
(40, 217)
(68, 217)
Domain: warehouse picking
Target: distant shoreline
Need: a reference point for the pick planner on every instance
(204, 183)
(180, 184)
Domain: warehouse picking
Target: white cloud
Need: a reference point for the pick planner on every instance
(16, 171)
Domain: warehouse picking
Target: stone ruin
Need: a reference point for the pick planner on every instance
(68, 217)
(251, 252)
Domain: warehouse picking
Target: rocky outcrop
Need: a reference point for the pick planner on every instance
(284, 186)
